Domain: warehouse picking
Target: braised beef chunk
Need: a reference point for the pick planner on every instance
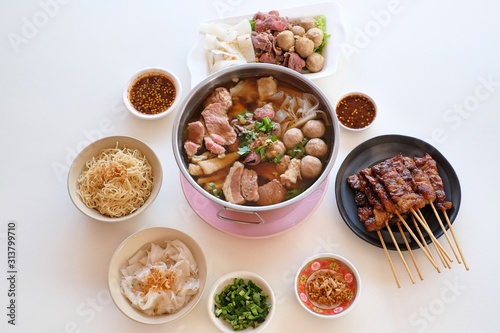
(271, 193)
(217, 123)
(294, 61)
(222, 96)
(232, 184)
(270, 21)
(214, 147)
(266, 110)
(191, 148)
(196, 132)
(249, 186)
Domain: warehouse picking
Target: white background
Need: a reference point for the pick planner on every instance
(60, 88)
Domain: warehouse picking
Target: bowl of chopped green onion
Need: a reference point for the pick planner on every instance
(241, 301)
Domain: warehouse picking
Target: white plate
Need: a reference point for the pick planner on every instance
(197, 59)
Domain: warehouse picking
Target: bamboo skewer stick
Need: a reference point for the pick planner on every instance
(400, 253)
(422, 239)
(455, 239)
(389, 258)
(439, 252)
(410, 251)
(431, 235)
(418, 242)
(445, 233)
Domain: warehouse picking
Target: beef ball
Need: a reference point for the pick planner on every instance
(304, 47)
(310, 167)
(285, 40)
(275, 149)
(307, 23)
(316, 35)
(298, 30)
(314, 128)
(315, 62)
(292, 137)
(316, 147)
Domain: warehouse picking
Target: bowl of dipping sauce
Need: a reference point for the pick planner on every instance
(152, 93)
(356, 111)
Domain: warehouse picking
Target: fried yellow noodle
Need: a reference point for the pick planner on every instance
(117, 182)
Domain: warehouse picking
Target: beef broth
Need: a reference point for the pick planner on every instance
(254, 138)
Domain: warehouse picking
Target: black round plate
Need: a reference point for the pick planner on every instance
(376, 150)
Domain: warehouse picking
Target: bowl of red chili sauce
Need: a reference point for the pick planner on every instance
(356, 111)
(152, 93)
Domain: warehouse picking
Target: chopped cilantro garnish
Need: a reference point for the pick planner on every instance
(244, 150)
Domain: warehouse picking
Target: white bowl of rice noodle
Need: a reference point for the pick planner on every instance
(157, 275)
(299, 100)
(114, 178)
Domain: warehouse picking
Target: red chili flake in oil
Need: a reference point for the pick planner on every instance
(355, 111)
(153, 93)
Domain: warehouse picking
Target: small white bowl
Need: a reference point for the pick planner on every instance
(93, 150)
(336, 264)
(228, 279)
(140, 240)
(147, 72)
(343, 124)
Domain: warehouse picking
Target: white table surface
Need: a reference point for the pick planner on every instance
(430, 66)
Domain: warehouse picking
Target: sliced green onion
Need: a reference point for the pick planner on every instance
(242, 304)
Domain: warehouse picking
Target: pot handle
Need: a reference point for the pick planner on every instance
(237, 220)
